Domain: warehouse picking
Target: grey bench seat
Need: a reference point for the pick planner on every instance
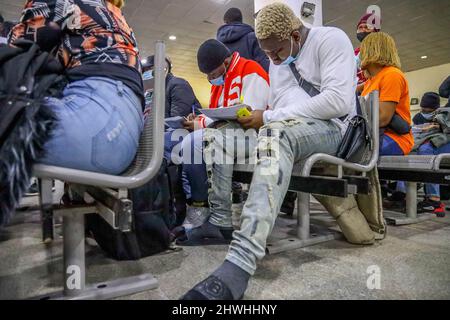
(413, 162)
(108, 196)
(306, 181)
(414, 169)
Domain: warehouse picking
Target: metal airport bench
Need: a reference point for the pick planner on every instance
(110, 201)
(306, 182)
(414, 169)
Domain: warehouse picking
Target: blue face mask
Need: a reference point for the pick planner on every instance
(147, 75)
(428, 116)
(218, 82)
(290, 59)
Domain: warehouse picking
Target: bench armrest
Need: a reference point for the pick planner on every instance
(439, 159)
(374, 106)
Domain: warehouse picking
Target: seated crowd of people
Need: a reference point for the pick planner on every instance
(101, 114)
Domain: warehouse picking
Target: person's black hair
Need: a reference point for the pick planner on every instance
(233, 15)
(1, 18)
(430, 100)
(150, 63)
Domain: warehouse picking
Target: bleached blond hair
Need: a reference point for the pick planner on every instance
(379, 48)
(118, 3)
(277, 20)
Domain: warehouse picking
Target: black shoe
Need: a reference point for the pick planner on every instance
(385, 191)
(205, 235)
(74, 200)
(288, 205)
(398, 206)
(395, 202)
(33, 190)
(431, 206)
(397, 196)
(239, 196)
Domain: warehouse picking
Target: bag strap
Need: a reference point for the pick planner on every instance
(305, 85)
(313, 91)
(358, 106)
(309, 88)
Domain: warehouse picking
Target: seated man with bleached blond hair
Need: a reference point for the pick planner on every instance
(302, 120)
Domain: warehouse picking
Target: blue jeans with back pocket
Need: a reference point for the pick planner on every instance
(99, 125)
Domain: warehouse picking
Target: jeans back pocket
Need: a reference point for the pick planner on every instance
(113, 147)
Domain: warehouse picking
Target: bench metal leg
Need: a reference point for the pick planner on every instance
(411, 200)
(75, 269)
(74, 254)
(304, 236)
(303, 211)
(411, 217)
(46, 207)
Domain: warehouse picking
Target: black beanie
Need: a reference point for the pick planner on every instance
(430, 100)
(211, 55)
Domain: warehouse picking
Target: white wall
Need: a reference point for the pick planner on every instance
(425, 80)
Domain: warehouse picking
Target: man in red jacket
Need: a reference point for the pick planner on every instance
(234, 80)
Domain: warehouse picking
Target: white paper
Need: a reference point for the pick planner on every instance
(228, 113)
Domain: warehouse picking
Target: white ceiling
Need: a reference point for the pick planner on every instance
(420, 27)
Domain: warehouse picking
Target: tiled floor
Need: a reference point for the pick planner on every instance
(414, 262)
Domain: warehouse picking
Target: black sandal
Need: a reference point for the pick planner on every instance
(210, 289)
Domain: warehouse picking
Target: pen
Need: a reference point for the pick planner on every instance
(193, 110)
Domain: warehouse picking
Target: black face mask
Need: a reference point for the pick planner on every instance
(362, 35)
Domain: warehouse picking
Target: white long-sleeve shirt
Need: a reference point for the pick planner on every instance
(327, 61)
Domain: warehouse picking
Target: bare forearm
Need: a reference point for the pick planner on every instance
(387, 111)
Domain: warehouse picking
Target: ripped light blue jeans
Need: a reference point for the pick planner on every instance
(274, 150)
(99, 125)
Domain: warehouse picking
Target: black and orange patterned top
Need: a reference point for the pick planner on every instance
(92, 37)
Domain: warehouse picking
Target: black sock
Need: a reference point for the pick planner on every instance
(234, 277)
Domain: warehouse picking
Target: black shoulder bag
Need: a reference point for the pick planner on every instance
(357, 137)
